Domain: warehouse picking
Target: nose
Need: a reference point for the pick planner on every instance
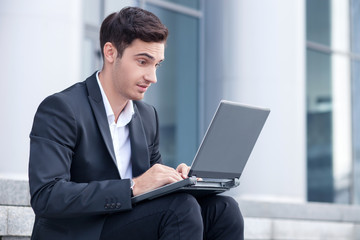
(150, 76)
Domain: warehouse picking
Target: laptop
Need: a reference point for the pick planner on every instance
(222, 154)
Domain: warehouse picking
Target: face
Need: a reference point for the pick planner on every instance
(135, 71)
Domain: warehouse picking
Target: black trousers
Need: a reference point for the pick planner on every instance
(178, 217)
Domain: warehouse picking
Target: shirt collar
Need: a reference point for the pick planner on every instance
(125, 115)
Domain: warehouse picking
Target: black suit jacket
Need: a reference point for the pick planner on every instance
(74, 180)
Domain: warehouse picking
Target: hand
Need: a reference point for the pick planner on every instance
(183, 169)
(157, 176)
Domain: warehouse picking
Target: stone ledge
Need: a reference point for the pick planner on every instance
(14, 192)
(20, 221)
(263, 220)
(258, 228)
(279, 229)
(297, 211)
(3, 220)
(15, 238)
(16, 221)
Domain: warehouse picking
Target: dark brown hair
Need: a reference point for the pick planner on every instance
(122, 28)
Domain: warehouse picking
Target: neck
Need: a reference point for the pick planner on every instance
(117, 103)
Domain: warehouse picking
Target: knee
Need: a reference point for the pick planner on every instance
(187, 208)
(232, 211)
(186, 212)
(227, 209)
(223, 219)
(186, 205)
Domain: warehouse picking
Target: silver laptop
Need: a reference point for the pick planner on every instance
(223, 153)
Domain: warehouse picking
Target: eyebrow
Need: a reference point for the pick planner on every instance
(145, 55)
(148, 56)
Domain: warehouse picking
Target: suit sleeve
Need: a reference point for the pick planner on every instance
(52, 142)
(155, 156)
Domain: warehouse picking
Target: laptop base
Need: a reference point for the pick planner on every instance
(191, 186)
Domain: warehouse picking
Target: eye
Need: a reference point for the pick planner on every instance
(158, 65)
(141, 61)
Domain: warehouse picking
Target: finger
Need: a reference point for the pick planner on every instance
(183, 169)
(163, 168)
(155, 177)
(175, 175)
(175, 178)
(172, 172)
(168, 179)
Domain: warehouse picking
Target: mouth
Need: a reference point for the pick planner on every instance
(143, 87)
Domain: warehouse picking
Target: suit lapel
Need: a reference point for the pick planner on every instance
(97, 105)
(139, 150)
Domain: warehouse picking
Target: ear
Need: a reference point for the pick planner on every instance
(110, 52)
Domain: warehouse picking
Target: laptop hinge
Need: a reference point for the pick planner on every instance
(230, 184)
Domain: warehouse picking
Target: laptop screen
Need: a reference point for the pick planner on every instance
(229, 141)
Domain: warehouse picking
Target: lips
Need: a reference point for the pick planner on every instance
(143, 87)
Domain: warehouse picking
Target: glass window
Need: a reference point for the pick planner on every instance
(88, 58)
(175, 93)
(355, 75)
(355, 26)
(319, 105)
(116, 5)
(329, 140)
(90, 44)
(187, 3)
(319, 127)
(356, 128)
(92, 12)
(318, 14)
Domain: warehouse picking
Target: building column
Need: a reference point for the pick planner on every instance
(255, 54)
(40, 49)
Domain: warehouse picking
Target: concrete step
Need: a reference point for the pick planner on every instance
(16, 221)
(16, 215)
(263, 220)
(14, 192)
(307, 221)
(15, 238)
(270, 229)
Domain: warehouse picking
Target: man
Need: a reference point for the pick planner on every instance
(95, 145)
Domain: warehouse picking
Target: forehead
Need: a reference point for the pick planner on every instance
(154, 49)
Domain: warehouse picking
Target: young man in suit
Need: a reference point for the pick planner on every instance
(95, 145)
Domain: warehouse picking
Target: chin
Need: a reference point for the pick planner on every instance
(138, 97)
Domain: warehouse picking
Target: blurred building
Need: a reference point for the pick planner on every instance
(299, 58)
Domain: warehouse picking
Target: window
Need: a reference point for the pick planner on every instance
(332, 109)
(355, 75)
(175, 94)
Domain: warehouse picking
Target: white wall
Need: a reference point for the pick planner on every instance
(256, 55)
(40, 48)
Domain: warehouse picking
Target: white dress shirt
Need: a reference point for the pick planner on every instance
(119, 134)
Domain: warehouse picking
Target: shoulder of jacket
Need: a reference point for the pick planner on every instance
(142, 106)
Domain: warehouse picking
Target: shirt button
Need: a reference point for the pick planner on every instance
(118, 205)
